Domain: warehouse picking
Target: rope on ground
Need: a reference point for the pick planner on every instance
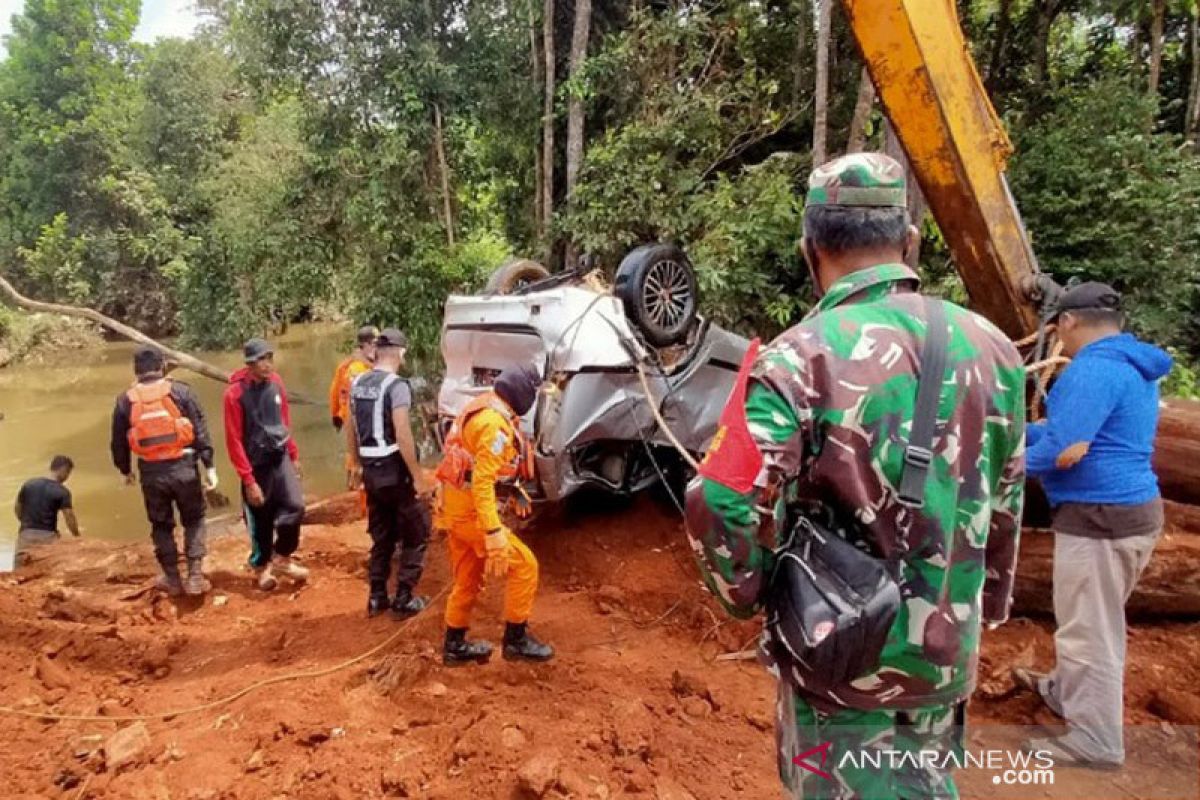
(291, 676)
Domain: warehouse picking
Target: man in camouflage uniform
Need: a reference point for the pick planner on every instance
(826, 417)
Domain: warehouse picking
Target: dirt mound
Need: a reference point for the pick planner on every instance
(633, 706)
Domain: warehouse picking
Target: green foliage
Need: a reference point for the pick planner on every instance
(289, 160)
(1183, 380)
(1107, 201)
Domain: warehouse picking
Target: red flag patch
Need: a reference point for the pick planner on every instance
(734, 460)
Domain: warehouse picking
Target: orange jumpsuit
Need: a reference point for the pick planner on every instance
(339, 389)
(339, 401)
(469, 512)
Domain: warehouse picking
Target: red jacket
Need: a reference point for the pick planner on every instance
(242, 429)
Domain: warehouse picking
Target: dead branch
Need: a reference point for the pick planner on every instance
(179, 358)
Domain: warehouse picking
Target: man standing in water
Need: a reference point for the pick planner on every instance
(39, 503)
(258, 436)
(160, 421)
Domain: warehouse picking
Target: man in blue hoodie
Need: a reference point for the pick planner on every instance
(1092, 455)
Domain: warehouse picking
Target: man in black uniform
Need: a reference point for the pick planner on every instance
(160, 421)
(384, 458)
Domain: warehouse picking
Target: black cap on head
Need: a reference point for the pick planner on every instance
(147, 359)
(392, 337)
(256, 349)
(367, 334)
(1090, 296)
(518, 385)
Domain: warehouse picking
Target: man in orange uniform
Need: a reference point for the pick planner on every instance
(484, 446)
(350, 367)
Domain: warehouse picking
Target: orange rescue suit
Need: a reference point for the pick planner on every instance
(339, 389)
(484, 446)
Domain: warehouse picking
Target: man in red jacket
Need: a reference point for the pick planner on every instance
(259, 439)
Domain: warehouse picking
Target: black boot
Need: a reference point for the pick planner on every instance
(407, 604)
(378, 600)
(520, 645)
(457, 650)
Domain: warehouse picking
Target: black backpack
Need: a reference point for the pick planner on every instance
(831, 605)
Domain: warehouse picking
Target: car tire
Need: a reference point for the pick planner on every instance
(657, 285)
(514, 276)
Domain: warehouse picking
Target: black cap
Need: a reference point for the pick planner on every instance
(256, 349)
(147, 359)
(1090, 295)
(367, 334)
(517, 385)
(392, 337)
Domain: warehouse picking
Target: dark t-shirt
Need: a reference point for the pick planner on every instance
(41, 499)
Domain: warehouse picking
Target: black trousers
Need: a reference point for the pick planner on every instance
(396, 519)
(166, 488)
(275, 525)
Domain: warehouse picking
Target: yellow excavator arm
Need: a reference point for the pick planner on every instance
(931, 92)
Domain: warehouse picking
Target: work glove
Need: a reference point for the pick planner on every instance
(337, 423)
(497, 553)
(210, 479)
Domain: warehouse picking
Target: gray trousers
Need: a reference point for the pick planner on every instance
(1093, 579)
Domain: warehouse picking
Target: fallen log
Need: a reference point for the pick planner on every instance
(177, 357)
(1177, 450)
(1170, 586)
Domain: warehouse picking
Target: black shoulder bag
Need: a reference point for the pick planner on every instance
(831, 605)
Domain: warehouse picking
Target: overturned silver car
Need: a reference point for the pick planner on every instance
(593, 425)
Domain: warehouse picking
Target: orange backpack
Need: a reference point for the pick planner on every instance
(457, 461)
(158, 431)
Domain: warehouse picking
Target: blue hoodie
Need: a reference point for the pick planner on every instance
(1108, 396)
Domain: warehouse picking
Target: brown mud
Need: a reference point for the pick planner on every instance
(635, 705)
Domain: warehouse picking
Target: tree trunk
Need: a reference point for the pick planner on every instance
(439, 142)
(1191, 128)
(1177, 450)
(916, 199)
(1047, 11)
(803, 23)
(862, 113)
(1170, 586)
(821, 114)
(996, 62)
(175, 356)
(535, 69)
(1156, 44)
(548, 122)
(575, 115)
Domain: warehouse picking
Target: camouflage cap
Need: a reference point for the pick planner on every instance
(858, 179)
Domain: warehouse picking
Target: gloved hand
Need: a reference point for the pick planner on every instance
(210, 479)
(497, 553)
(337, 423)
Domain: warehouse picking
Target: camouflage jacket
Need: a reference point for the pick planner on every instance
(829, 409)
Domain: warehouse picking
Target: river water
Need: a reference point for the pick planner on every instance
(65, 406)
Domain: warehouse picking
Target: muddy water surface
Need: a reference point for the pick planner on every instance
(65, 406)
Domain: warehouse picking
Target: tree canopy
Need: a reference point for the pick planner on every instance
(364, 158)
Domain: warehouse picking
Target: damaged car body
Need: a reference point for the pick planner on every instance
(593, 424)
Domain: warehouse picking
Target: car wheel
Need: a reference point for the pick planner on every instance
(514, 276)
(657, 285)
